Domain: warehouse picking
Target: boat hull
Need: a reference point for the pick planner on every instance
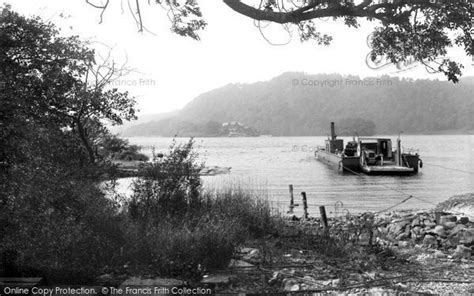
(388, 170)
(345, 164)
(352, 164)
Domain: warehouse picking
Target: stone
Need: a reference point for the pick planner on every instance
(248, 250)
(430, 241)
(450, 225)
(428, 223)
(105, 278)
(439, 230)
(456, 229)
(252, 255)
(415, 222)
(309, 279)
(439, 254)
(403, 244)
(401, 236)
(217, 279)
(290, 285)
(468, 236)
(275, 279)
(288, 272)
(398, 227)
(239, 264)
(416, 230)
(462, 252)
(447, 218)
(464, 220)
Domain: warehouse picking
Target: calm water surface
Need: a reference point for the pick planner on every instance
(272, 163)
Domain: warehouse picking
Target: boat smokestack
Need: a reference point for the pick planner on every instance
(333, 132)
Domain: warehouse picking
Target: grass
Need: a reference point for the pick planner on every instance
(205, 237)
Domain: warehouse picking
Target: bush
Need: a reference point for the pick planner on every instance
(65, 236)
(177, 229)
(169, 186)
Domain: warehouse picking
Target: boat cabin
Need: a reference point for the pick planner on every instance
(382, 147)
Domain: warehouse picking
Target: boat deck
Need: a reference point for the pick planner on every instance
(387, 170)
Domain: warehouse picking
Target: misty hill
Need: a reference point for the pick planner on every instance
(297, 104)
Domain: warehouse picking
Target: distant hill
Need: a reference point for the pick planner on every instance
(298, 104)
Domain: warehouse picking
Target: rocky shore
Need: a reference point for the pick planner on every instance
(406, 252)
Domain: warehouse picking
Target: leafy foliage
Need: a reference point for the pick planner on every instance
(422, 30)
(169, 186)
(55, 221)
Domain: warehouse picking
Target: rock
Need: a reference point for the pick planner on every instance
(468, 236)
(290, 285)
(397, 228)
(275, 279)
(439, 230)
(251, 254)
(416, 233)
(458, 228)
(447, 218)
(430, 241)
(309, 279)
(416, 230)
(415, 222)
(429, 223)
(105, 278)
(403, 244)
(217, 279)
(239, 263)
(248, 250)
(464, 220)
(439, 254)
(288, 272)
(450, 225)
(462, 252)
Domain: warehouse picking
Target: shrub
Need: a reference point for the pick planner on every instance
(177, 229)
(169, 186)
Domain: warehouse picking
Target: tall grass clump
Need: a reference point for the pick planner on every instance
(248, 207)
(178, 229)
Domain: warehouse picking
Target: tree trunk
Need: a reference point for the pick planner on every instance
(85, 141)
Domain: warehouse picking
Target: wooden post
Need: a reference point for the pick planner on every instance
(305, 205)
(324, 219)
(438, 216)
(292, 200)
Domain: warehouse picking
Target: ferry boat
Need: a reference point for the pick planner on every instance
(372, 156)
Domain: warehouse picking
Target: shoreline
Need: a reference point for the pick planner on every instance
(407, 251)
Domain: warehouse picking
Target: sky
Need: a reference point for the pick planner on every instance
(169, 70)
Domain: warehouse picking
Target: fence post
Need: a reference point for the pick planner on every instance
(324, 219)
(292, 200)
(305, 205)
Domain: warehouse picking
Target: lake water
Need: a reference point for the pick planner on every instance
(272, 163)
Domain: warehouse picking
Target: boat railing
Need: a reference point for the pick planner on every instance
(411, 151)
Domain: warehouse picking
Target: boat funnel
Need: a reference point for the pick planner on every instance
(333, 132)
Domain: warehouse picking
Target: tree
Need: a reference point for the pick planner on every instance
(55, 80)
(53, 214)
(419, 30)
